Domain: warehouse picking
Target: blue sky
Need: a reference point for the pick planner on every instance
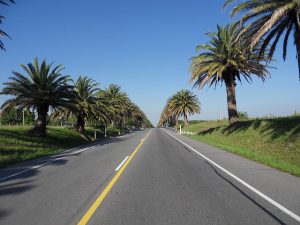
(144, 46)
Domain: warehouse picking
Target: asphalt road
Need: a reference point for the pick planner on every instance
(165, 181)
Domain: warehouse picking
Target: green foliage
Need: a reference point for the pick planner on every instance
(243, 115)
(182, 103)
(2, 33)
(86, 102)
(122, 110)
(11, 116)
(17, 143)
(40, 89)
(112, 131)
(14, 116)
(226, 58)
(270, 20)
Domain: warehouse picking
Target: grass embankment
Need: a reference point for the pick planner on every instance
(17, 144)
(274, 142)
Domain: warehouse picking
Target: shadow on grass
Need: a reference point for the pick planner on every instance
(246, 195)
(288, 127)
(18, 144)
(59, 137)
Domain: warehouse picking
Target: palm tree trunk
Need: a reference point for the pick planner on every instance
(297, 42)
(40, 127)
(80, 123)
(231, 101)
(186, 122)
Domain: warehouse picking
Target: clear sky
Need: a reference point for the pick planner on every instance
(142, 45)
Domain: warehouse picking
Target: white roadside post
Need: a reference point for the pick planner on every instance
(95, 134)
(180, 129)
(105, 130)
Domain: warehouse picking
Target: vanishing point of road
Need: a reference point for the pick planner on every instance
(152, 176)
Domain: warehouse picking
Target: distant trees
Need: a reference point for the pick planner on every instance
(45, 89)
(182, 103)
(13, 116)
(121, 109)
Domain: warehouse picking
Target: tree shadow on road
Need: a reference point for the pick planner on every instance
(246, 195)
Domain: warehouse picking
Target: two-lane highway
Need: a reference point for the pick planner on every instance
(149, 179)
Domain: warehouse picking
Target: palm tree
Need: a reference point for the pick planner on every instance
(2, 33)
(270, 20)
(117, 101)
(86, 101)
(167, 116)
(184, 103)
(225, 58)
(136, 115)
(41, 89)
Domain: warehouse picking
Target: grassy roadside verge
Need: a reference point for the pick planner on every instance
(17, 144)
(273, 142)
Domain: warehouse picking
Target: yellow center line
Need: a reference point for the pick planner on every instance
(85, 219)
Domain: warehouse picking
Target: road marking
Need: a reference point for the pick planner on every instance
(121, 164)
(87, 216)
(47, 163)
(31, 168)
(268, 199)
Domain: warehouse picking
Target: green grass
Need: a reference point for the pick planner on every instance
(17, 144)
(274, 142)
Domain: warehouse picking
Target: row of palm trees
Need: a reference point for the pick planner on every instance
(182, 103)
(45, 89)
(246, 47)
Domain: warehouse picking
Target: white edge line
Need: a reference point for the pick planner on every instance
(46, 163)
(121, 164)
(49, 162)
(276, 204)
(31, 168)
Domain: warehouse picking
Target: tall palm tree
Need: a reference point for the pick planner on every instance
(2, 33)
(167, 116)
(86, 101)
(135, 114)
(118, 102)
(270, 20)
(225, 58)
(184, 103)
(41, 89)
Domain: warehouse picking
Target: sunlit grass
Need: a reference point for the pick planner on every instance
(17, 143)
